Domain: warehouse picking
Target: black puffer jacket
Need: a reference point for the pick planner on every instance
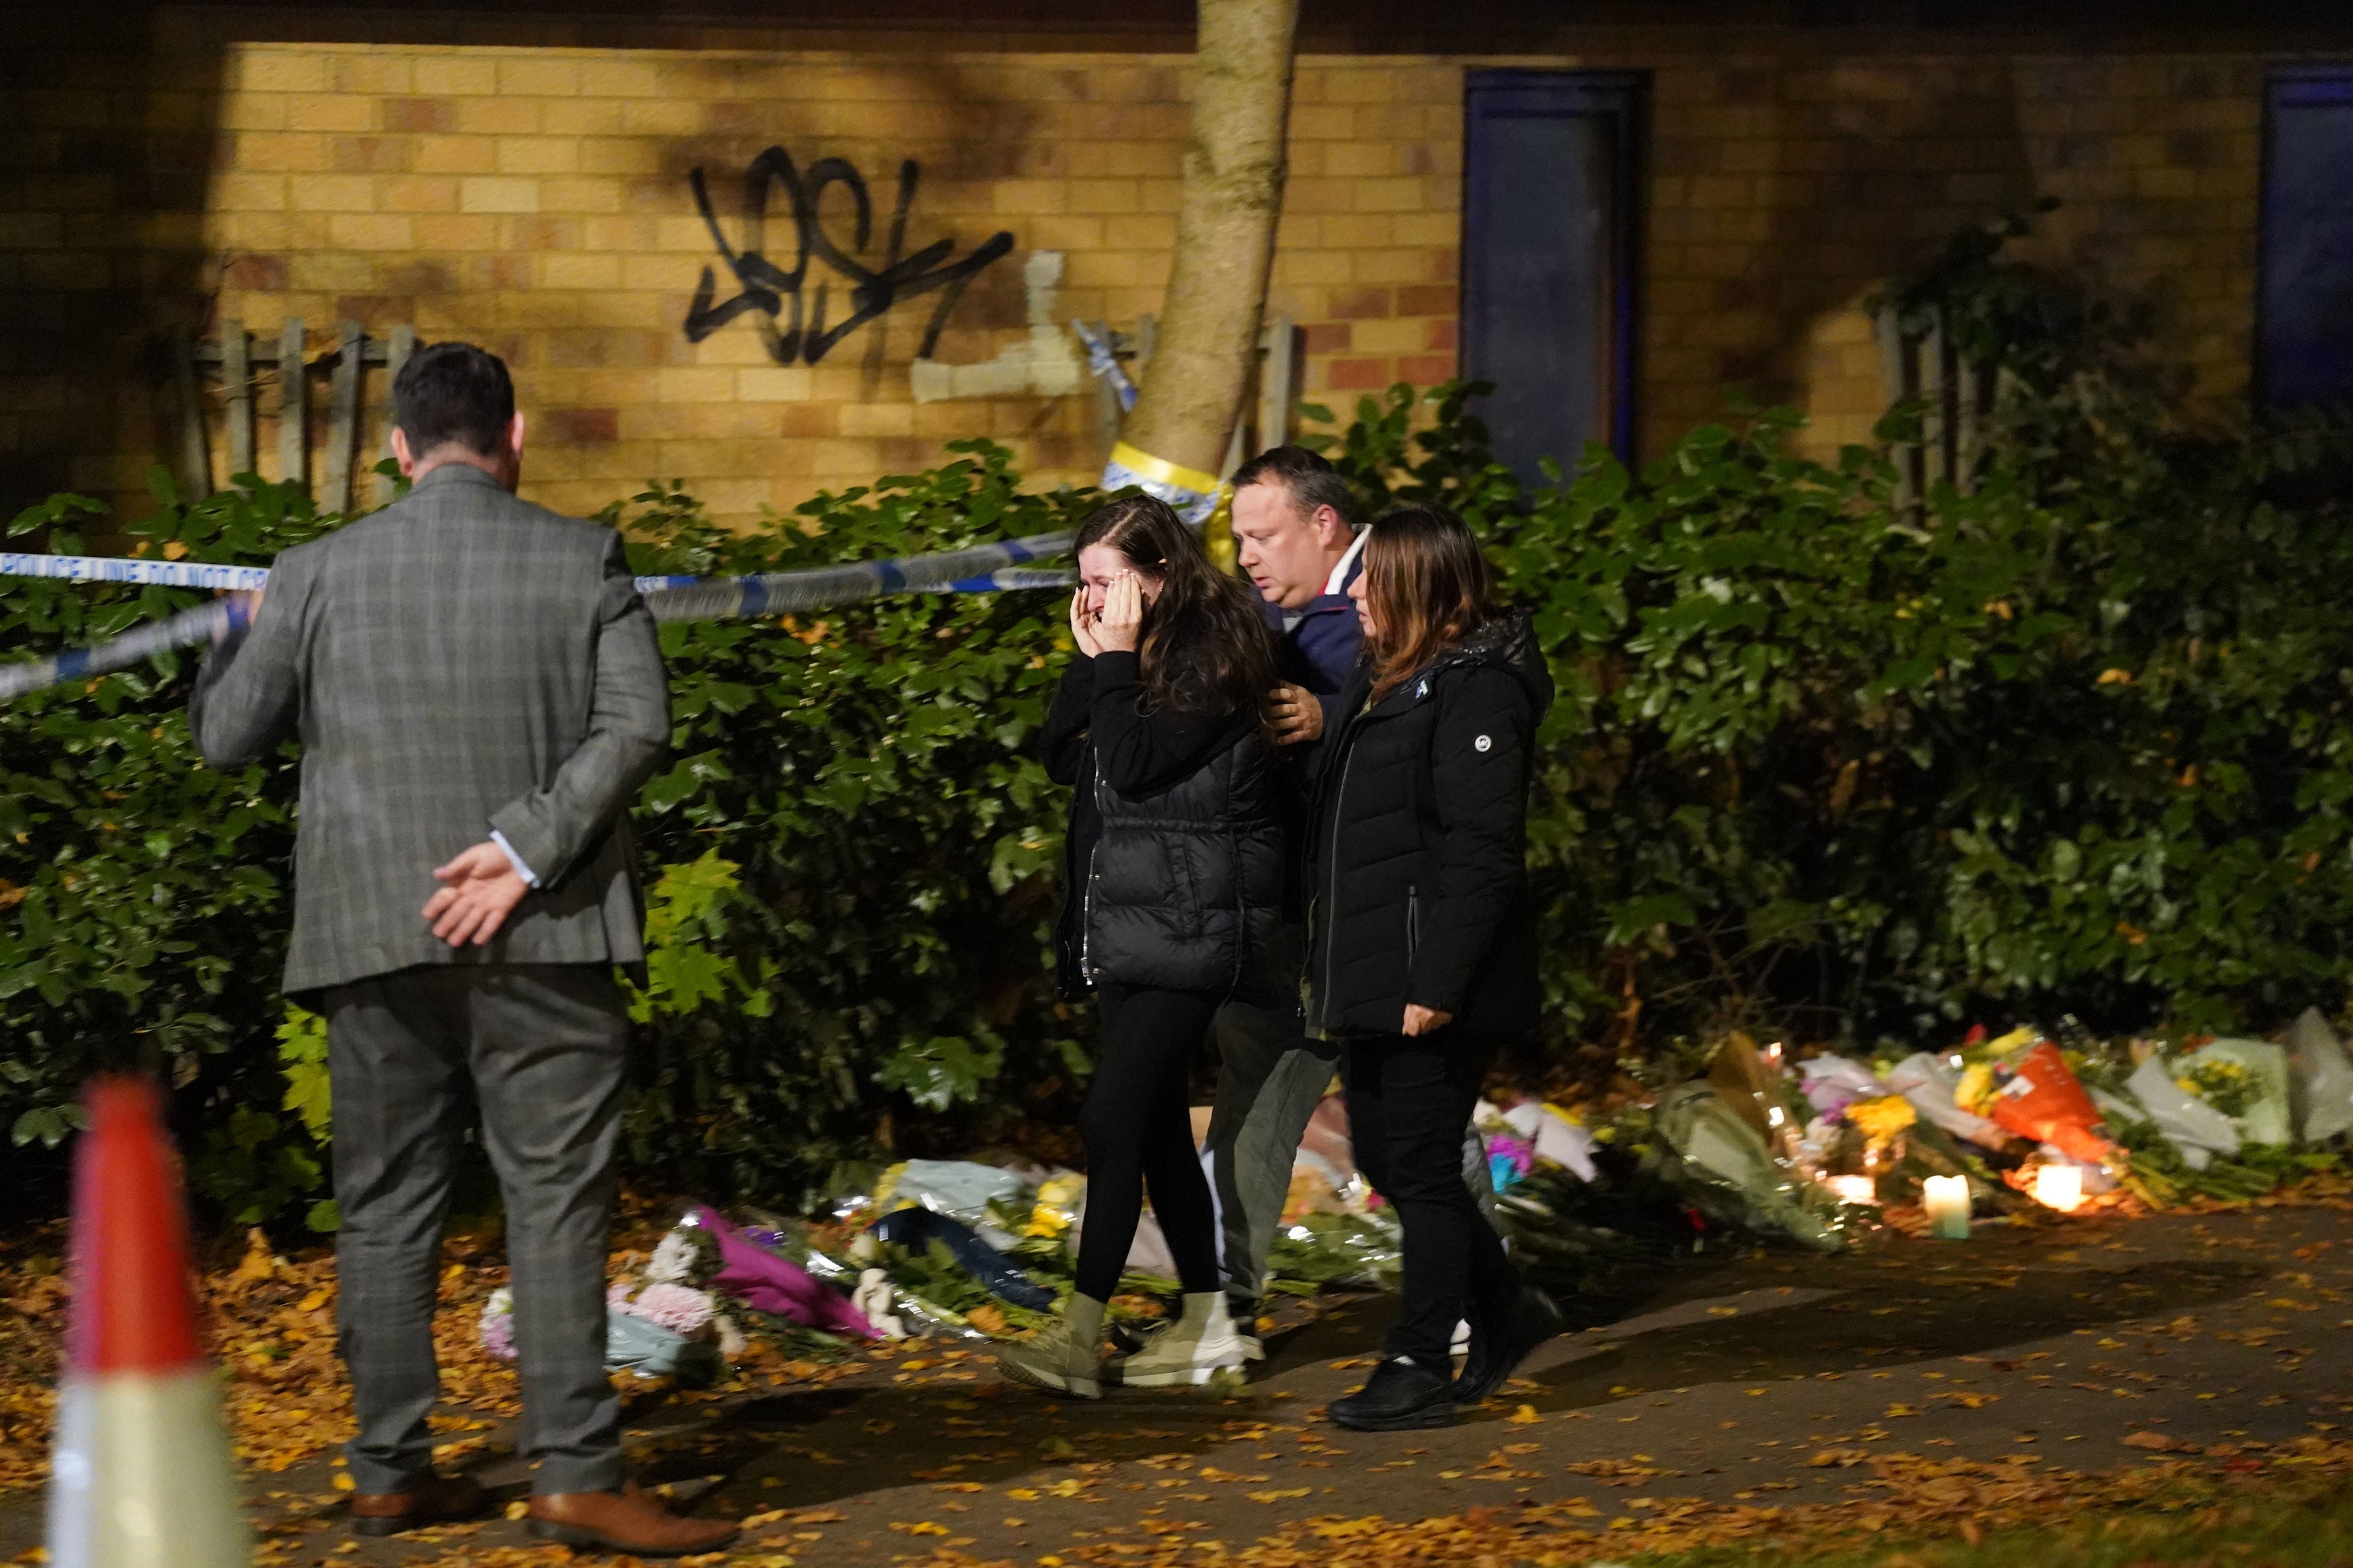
(1174, 865)
(1418, 848)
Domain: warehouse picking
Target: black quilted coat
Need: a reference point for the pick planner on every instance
(1417, 872)
(1175, 859)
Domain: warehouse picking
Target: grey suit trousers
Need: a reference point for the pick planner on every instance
(543, 1048)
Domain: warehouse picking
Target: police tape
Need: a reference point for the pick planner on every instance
(1190, 493)
(133, 569)
(1000, 567)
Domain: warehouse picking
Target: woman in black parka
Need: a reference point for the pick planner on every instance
(1420, 956)
(1173, 893)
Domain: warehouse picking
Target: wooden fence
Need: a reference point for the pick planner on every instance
(1918, 362)
(234, 361)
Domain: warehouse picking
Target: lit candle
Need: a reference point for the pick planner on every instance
(1947, 1199)
(2059, 1186)
(1852, 1189)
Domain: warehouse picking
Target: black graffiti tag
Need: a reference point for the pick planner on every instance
(765, 286)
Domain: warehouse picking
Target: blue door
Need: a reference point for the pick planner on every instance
(1550, 166)
(2303, 303)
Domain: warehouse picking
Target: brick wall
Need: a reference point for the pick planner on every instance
(536, 199)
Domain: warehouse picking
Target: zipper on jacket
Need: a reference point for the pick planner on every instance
(1332, 877)
(1087, 897)
(1412, 921)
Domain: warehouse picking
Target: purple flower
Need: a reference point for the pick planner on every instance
(498, 1324)
(1829, 1097)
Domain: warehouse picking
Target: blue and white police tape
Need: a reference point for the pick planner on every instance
(965, 573)
(202, 624)
(982, 569)
(131, 569)
(973, 570)
(1104, 364)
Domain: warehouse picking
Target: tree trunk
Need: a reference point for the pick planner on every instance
(1234, 165)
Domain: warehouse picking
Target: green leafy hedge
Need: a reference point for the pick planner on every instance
(2075, 741)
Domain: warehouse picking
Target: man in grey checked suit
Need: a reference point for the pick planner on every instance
(479, 697)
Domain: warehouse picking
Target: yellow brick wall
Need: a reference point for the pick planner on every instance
(536, 200)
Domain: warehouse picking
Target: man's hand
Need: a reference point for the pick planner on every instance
(478, 890)
(1421, 1020)
(1121, 628)
(1298, 716)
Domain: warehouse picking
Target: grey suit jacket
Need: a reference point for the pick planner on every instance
(459, 662)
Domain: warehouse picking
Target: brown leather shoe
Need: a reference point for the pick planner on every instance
(625, 1520)
(429, 1500)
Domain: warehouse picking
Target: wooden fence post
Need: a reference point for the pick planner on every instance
(236, 390)
(1895, 382)
(404, 343)
(196, 458)
(293, 405)
(343, 420)
(1277, 391)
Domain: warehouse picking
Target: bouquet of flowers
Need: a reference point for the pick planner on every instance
(2228, 1086)
(1880, 1120)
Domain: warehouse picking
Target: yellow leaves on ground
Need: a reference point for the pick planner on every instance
(1069, 1486)
(918, 1527)
(1525, 1415)
(1904, 1495)
(1277, 1494)
(270, 1321)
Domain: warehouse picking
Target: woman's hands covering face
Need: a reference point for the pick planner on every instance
(1081, 631)
(1120, 626)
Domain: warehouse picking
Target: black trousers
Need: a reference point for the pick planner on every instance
(1408, 1100)
(543, 1046)
(1138, 1127)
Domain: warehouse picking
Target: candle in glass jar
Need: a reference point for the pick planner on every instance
(2059, 1186)
(1947, 1199)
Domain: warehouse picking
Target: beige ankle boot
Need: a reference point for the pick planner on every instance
(1065, 1357)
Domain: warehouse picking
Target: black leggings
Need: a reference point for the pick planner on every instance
(1139, 1128)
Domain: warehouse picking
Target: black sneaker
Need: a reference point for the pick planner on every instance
(1496, 1350)
(1401, 1395)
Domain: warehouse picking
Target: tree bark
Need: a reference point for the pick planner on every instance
(1234, 163)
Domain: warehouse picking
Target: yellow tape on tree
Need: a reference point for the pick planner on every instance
(1192, 493)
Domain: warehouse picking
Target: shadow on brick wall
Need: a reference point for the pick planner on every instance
(112, 115)
(1873, 165)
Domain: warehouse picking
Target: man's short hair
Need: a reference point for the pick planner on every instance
(454, 391)
(1313, 482)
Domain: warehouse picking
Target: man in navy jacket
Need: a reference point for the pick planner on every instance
(1297, 538)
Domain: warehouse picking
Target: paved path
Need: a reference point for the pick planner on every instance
(1718, 1380)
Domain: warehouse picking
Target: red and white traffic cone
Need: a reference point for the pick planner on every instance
(141, 1477)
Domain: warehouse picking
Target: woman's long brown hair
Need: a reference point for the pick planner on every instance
(1427, 584)
(1205, 648)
